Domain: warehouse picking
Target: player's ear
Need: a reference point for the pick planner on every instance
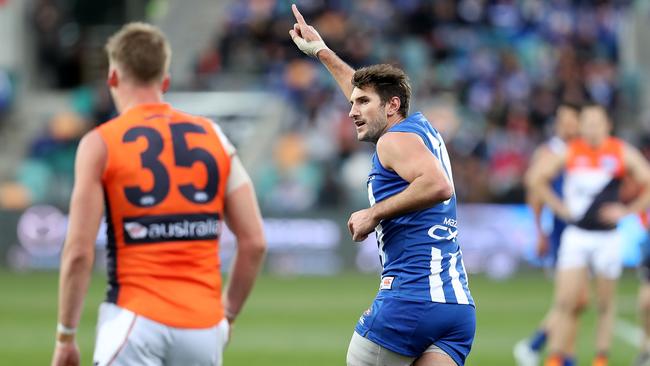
(165, 83)
(112, 80)
(393, 106)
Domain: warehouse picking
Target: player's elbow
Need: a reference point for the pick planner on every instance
(78, 256)
(445, 192)
(529, 181)
(253, 245)
(440, 191)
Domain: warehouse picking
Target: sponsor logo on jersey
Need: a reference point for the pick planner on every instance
(135, 230)
(181, 227)
(609, 163)
(450, 222)
(367, 313)
(443, 232)
(386, 283)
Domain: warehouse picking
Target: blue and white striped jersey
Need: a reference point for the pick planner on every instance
(419, 252)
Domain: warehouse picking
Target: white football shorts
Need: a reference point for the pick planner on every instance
(598, 250)
(125, 338)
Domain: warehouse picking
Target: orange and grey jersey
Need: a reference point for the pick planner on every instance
(593, 178)
(165, 184)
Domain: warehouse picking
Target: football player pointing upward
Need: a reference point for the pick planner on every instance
(424, 313)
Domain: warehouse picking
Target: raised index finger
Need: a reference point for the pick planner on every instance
(297, 14)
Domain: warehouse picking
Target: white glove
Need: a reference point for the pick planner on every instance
(310, 48)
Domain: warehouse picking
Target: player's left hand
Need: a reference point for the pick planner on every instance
(611, 213)
(66, 354)
(305, 36)
(362, 223)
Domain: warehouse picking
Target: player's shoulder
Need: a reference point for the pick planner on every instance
(549, 148)
(578, 145)
(92, 147)
(110, 124)
(194, 118)
(617, 143)
(397, 140)
(556, 145)
(210, 126)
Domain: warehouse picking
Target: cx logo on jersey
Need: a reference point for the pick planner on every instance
(442, 232)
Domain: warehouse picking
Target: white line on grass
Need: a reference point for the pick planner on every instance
(628, 332)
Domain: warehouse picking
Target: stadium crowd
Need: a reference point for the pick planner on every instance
(487, 73)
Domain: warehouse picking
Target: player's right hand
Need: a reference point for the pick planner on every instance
(305, 36)
(542, 245)
(66, 354)
(361, 224)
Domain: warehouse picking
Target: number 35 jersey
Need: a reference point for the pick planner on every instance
(419, 251)
(164, 184)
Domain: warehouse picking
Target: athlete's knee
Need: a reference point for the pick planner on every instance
(644, 297)
(605, 305)
(581, 305)
(567, 306)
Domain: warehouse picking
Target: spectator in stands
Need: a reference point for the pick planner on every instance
(47, 173)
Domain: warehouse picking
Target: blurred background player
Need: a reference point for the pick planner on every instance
(594, 166)
(565, 129)
(168, 180)
(423, 314)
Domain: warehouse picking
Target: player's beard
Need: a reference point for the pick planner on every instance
(375, 128)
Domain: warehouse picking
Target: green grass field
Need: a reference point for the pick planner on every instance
(305, 320)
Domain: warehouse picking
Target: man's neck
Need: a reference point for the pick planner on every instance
(595, 144)
(393, 120)
(132, 96)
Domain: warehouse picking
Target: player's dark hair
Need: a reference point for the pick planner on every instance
(141, 51)
(388, 81)
(576, 107)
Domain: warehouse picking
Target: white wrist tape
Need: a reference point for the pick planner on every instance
(62, 329)
(310, 48)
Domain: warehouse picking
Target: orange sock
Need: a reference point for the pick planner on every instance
(554, 360)
(600, 360)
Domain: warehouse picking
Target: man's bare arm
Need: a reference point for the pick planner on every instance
(244, 219)
(310, 42)
(86, 208)
(539, 179)
(341, 71)
(533, 199)
(640, 170)
(406, 155)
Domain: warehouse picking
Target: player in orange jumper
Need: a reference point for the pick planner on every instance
(167, 181)
(594, 167)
